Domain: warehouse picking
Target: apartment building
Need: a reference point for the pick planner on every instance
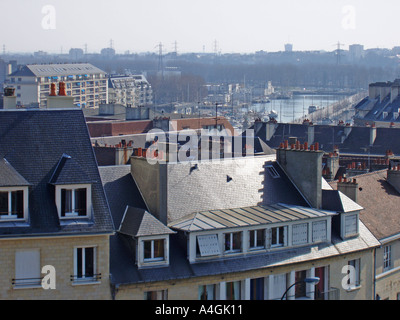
(130, 90)
(85, 82)
(379, 193)
(55, 224)
(248, 228)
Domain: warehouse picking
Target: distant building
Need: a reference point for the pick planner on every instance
(288, 47)
(76, 53)
(356, 51)
(130, 90)
(86, 83)
(107, 52)
(382, 106)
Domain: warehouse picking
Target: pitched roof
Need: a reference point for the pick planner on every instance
(335, 200)
(33, 142)
(57, 69)
(138, 222)
(9, 177)
(381, 203)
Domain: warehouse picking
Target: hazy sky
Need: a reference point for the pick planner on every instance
(237, 26)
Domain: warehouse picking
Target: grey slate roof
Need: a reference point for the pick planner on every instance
(68, 171)
(33, 142)
(9, 177)
(138, 222)
(335, 200)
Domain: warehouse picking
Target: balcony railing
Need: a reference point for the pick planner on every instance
(85, 279)
(330, 294)
(27, 282)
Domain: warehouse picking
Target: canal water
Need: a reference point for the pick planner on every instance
(296, 107)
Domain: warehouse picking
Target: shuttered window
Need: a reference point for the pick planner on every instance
(208, 245)
(300, 234)
(350, 225)
(319, 231)
(27, 268)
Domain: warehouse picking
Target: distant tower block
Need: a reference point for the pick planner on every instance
(288, 47)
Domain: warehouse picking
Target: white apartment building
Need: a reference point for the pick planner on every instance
(133, 90)
(85, 82)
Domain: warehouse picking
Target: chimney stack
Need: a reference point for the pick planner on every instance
(60, 101)
(348, 187)
(303, 163)
(9, 98)
(393, 177)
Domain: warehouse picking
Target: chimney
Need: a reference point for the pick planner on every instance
(310, 134)
(9, 98)
(349, 188)
(332, 162)
(393, 177)
(60, 101)
(303, 164)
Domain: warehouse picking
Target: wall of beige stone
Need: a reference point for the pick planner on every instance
(58, 252)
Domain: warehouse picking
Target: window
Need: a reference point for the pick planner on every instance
(319, 231)
(354, 273)
(27, 268)
(233, 290)
(207, 292)
(207, 245)
(272, 171)
(257, 239)
(85, 264)
(257, 289)
(74, 202)
(300, 287)
(233, 242)
(154, 250)
(350, 225)
(277, 236)
(12, 204)
(300, 234)
(387, 258)
(156, 295)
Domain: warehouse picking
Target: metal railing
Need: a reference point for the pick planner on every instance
(80, 278)
(26, 282)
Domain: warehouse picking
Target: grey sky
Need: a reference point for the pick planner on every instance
(237, 26)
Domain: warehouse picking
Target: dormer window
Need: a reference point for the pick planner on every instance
(73, 201)
(150, 238)
(153, 250)
(73, 189)
(11, 204)
(13, 193)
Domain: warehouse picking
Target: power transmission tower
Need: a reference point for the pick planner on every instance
(339, 45)
(160, 60)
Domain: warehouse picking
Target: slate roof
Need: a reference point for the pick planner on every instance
(357, 140)
(33, 142)
(68, 171)
(381, 203)
(9, 177)
(337, 201)
(138, 222)
(230, 183)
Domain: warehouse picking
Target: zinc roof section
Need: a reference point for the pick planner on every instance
(249, 216)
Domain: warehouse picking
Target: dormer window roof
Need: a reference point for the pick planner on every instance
(9, 177)
(70, 172)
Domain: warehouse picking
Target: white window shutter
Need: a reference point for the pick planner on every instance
(299, 234)
(319, 231)
(27, 267)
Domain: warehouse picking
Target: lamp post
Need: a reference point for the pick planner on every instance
(312, 280)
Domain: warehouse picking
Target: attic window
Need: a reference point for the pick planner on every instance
(272, 171)
(74, 201)
(12, 204)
